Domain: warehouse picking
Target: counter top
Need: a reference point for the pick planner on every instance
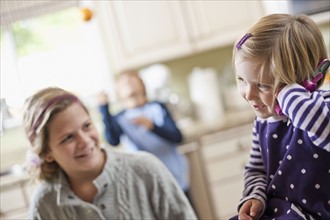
(193, 130)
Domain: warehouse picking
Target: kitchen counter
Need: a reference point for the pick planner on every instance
(193, 130)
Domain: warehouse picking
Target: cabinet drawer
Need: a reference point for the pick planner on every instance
(226, 198)
(216, 149)
(12, 200)
(226, 168)
(224, 143)
(213, 150)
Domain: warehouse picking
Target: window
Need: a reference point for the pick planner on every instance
(57, 49)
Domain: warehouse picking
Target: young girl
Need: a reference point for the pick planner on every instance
(279, 64)
(145, 126)
(81, 180)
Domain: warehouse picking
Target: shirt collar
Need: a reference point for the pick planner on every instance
(64, 194)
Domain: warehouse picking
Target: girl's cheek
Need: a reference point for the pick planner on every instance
(241, 91)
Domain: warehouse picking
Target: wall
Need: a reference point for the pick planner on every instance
(218, 59)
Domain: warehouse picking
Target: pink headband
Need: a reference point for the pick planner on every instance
(50, 103)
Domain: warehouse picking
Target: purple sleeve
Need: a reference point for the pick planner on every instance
(308, 111)
(255, 179)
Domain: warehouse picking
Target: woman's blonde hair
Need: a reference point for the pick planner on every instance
(39, 110)
(288, 48)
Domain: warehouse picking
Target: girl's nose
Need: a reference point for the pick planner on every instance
(249, 93)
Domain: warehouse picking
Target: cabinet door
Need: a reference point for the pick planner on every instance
(226, 198)
(143, 32)
(219, 23)
(224, 155)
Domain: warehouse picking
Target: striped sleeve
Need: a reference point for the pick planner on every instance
(308, 111)
(255, 179)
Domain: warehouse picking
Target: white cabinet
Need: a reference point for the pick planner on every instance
(138, 33)
(142, 32)
(224, 155)
(15, 196)
(198, 184)
(217, 23)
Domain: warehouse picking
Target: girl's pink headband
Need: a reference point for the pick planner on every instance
(51, 102)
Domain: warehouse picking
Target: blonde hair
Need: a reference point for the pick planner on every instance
(39, 110)
(131, 74)
(288, 48)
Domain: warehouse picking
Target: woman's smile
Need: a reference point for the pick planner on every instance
(85, 154)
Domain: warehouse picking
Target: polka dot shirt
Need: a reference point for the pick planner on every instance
(289, 165)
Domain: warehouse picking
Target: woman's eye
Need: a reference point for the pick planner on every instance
(87, 125)
(67, 139)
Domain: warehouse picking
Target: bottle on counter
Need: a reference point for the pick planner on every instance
(205, 95)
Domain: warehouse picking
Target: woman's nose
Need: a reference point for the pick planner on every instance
(82, 139)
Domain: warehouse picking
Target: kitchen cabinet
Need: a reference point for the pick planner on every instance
(219, 23)
(15, 196)
(225, 154)
(198, 185)
(139, 33)
(217, 163)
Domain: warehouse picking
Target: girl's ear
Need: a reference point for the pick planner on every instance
(49, 158)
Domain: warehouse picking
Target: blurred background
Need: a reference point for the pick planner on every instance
(183, 52)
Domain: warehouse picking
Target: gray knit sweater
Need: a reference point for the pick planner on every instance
(131, 186)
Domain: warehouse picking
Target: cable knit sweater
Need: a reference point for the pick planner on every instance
(131, 186)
